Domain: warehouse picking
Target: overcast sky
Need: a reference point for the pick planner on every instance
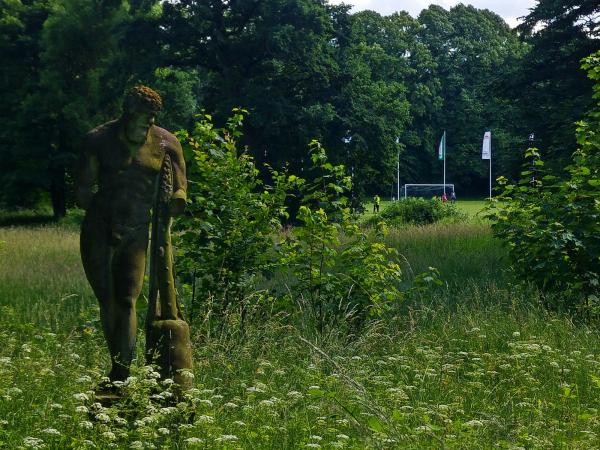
(510, 10)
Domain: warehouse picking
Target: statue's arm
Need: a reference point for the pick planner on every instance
(86, 173)
(179, 179)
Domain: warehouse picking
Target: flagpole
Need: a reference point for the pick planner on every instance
(486, 153)
(444, 154)
(490, 166)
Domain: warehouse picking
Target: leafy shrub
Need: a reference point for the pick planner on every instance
(416, 211)
(552, 226)
(225, 239)
(335, 270)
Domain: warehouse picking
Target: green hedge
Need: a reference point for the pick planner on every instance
(417, 211)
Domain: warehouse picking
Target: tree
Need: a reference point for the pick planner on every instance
(23, 178)
(551, 225)
(272, 58)
(551, 91)
(473, 49)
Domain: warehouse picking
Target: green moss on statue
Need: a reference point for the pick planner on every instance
(127, 166)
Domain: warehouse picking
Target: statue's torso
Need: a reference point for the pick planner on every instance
(127, 175)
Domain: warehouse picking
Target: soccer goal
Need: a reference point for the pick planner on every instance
(426, 190)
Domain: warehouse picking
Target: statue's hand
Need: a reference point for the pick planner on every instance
(177, 204)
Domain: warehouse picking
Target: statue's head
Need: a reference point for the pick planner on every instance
(140, 106)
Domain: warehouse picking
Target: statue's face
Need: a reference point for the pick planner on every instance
(137, 125)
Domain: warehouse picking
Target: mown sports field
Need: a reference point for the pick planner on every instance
(473, 363)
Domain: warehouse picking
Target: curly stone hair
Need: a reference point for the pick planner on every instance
(142, 98)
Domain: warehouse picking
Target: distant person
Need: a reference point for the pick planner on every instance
(444, 198)
(453, 197)
(376, 203)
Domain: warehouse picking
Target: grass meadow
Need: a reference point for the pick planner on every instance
(474, 363)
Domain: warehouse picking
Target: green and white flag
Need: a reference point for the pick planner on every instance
(442, 148)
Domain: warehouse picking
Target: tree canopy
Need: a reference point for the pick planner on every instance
(371, 88)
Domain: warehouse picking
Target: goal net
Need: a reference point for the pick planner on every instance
(426, 190)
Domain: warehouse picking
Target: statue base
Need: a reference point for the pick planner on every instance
(168, 345)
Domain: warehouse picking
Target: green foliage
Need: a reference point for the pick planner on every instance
(417, 211)
(304, 69)
(335, 269)
(224, 240)
(549, 88)
(473, 49)
(552, 225)
(474, 365)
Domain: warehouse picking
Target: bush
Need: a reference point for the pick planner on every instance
(334, 270)
(551, 225)
(416, 211)
(225, 239)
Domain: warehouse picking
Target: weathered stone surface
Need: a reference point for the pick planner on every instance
(123, 164)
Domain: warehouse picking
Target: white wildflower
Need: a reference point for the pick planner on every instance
(109, 435)
(205, 419)
(266, 403)
(33, 442)
(120, 421)
(202, 401)
(473, 424)
(81, 397)
(51, 431)
(103, 417)
(227, 437)
(86, 425)
(254, 389)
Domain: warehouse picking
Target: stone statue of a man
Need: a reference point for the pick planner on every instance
(116, 185)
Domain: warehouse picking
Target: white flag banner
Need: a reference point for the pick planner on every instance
(486, 150)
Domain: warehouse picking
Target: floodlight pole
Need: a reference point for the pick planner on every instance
(347, 139)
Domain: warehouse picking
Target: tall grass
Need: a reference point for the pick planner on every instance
(461, 252)
(474, 364)
(41, 277)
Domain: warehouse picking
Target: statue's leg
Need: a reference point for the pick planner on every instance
(96, 255)
(128, 267)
